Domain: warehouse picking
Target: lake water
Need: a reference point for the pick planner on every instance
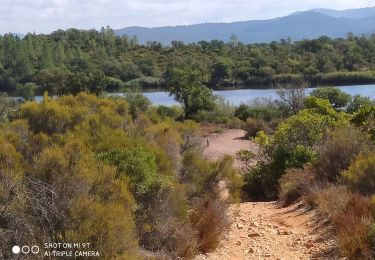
(238, 96)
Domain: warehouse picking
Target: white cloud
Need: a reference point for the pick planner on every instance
(48, 15)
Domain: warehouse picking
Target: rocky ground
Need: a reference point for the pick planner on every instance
(265, 230)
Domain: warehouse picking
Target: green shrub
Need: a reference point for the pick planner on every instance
(361, 174)
(139, 165)
(138, 103)
(365, 118)
(26, 92)
(338, 150)
(357, 102)
(260, 182)
(144, 82)
(258, 110)
(221, 112)
(291, 146)
(235, 123)
(253, 126)
(338, 98)
(201, 176)
(169, 112)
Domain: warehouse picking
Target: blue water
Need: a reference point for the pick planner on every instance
(238, 96)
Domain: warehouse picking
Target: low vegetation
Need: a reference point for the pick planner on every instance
(113, 171)
(323, 154)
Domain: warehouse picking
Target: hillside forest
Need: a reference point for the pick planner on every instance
(67, 62)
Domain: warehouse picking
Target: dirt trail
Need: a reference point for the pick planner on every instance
(229, 142)
(264, 230)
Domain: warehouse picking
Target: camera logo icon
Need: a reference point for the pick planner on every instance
(25, 250)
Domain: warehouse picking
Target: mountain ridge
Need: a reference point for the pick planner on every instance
(300, 25)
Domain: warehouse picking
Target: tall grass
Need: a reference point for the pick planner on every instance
(358, 77)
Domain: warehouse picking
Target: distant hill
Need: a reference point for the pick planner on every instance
(350, 13)
(301, 25)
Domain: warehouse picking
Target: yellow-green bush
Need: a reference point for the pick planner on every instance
(79, 168)
(361, 174)
(338, 149)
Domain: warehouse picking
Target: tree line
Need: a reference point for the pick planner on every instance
(71, 61)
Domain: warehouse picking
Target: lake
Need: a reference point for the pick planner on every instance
(238, 96)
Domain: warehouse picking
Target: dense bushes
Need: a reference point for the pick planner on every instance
(336, 97)
(291, 146)
(350, 215)
(82, 168)
(324, 156)
(338, 149)
(252, 126)
(264, 111)
(361, 175)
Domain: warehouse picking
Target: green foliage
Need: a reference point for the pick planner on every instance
(364, 118)
(360, 175)
(186, 84)
(357, 102)
(321, 106)
(97, 175)
(245, 155)
(67, 62)
(344, 77)
(138, 103)
(252, 126)
(204, 177)
(336, 97)
(169, 112)
(26, 92)
(221, 72)
(291, 146)
(221, 112)
(7, 105)
(261, 111)
(52, 80)
(144, 82)
(338, 149)
(139, 165)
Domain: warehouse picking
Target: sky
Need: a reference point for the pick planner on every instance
(45, 16)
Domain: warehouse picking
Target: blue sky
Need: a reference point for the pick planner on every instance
(43, 16)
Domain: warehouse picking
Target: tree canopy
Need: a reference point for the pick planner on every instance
(74, 60)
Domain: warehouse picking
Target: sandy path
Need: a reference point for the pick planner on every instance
(264, 230)
(229, 142)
